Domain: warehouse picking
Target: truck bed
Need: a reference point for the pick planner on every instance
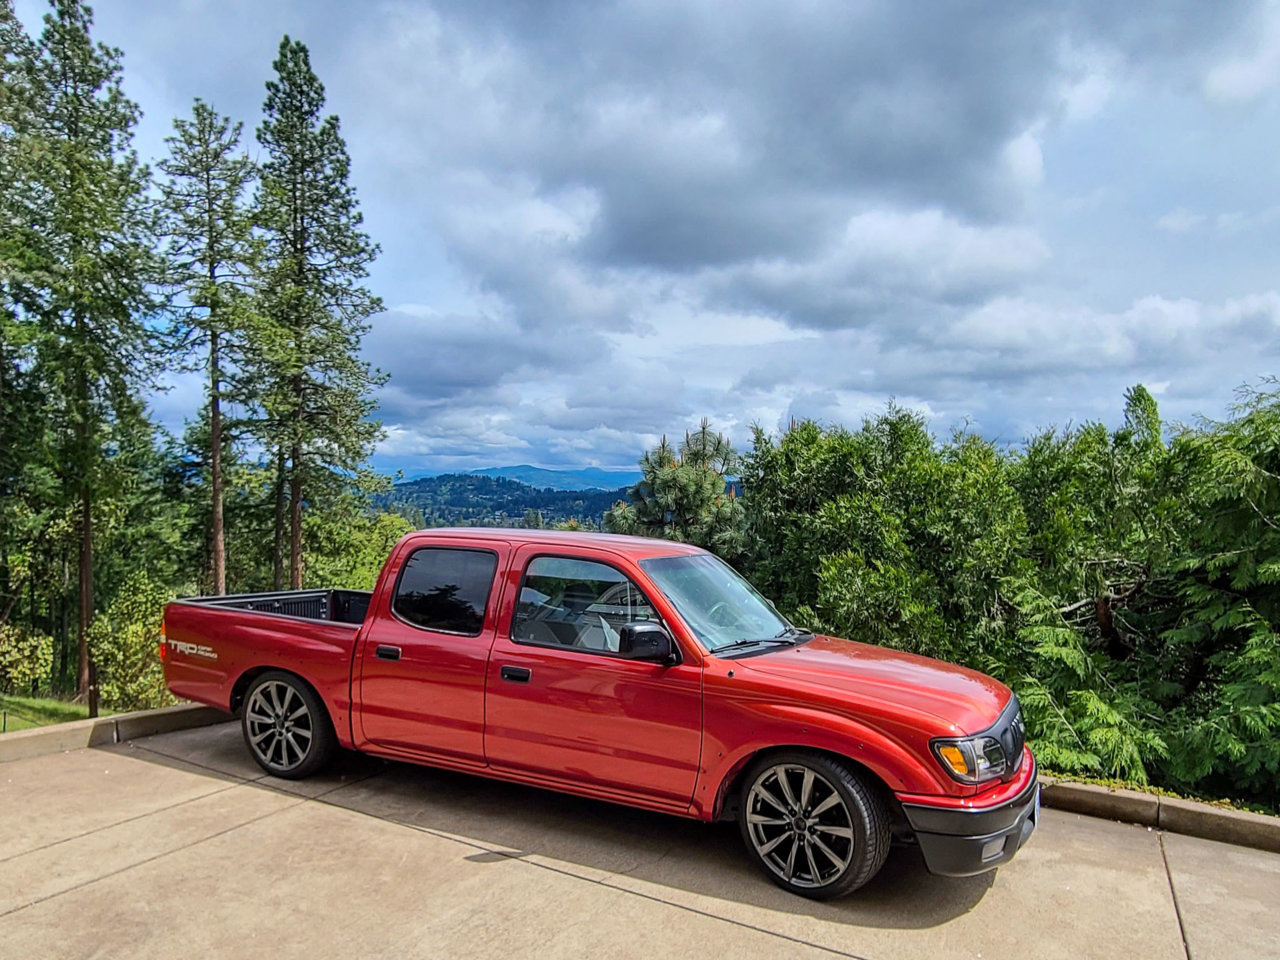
(332, 606)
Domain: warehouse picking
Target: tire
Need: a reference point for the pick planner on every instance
(286, 726)
(813, 824)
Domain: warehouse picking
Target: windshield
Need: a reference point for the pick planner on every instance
(717, 604)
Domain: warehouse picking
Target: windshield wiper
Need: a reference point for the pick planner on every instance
(790, 631)
(761, 642)
(786, 638)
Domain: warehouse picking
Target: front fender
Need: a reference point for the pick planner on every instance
(732, 741)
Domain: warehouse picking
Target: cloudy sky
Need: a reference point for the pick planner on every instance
(602, 221)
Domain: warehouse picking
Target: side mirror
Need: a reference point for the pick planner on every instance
(646, 640)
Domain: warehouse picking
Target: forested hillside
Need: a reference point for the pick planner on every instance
(472, 499)
(586, 478)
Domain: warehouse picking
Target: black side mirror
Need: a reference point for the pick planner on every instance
(646, 640)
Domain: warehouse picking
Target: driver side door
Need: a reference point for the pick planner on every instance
(561, 704)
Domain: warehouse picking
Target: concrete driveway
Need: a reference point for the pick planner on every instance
(177, 846)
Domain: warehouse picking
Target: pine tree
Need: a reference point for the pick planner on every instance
(683, 496)
(210, 253)
(87, 265)
(318, 402)
(18, 398)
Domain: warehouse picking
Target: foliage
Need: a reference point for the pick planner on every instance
(102, 515)
(316, 388)
(684, 496)
(349, 553)
(1123, 585)
(124, 638)
(79, 261)
(26, 659)
(210, 252)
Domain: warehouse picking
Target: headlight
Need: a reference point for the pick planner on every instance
(971, 759)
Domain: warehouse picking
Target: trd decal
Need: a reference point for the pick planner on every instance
(193, 649)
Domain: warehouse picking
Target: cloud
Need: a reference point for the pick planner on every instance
(1013, 364)
(600, 222)
(1180, 220)
(1248, 73)
(886, 261)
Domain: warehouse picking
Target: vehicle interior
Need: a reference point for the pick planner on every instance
(578, 613)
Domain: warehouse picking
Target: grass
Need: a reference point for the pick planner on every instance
(22, 713)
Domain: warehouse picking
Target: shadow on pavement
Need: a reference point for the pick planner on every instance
(592, 839)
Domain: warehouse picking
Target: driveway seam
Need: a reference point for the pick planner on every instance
(150, 859)
(320, 798)
(1177, 910)
(118, 823)
(508, 855)
(297, 801)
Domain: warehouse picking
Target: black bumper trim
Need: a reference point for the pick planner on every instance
(970, 822)
(961, 843)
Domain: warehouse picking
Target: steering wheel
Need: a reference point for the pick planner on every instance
(714, 614)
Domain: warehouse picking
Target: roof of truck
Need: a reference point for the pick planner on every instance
(635, 548)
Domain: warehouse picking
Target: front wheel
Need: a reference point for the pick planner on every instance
(286, 726)
(813, 825)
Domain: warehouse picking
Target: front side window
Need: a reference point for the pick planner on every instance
(445, 589)
(719, 605)
(576, 603)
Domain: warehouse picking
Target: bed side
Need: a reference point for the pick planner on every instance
(213, 650)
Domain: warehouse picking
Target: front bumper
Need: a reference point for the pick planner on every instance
(962, 842)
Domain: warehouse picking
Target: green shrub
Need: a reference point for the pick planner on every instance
(1126, 585)
(123, 640)
(26, 660)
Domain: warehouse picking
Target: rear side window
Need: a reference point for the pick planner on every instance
(445, 589)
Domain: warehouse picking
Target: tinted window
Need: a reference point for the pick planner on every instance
(446, 589)
(576, 603)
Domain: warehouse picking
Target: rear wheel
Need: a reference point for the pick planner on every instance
(813, 825)
(286, 726)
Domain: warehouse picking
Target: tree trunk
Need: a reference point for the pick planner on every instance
(64, 653)
(277, 554)
(84, 455)
(215, 469)
(86, 590)
(295, 518)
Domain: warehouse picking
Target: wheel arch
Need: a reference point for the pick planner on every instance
(730, 789)
(739, 735)
(240, 689)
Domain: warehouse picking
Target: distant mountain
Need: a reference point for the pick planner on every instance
(587, 478)
(471, 499)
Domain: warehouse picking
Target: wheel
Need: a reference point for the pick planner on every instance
(812, 824)
(286, 726)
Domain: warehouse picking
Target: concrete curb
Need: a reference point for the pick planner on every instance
(77, 734)
(1171, 814)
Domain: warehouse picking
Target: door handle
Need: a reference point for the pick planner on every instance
(387, 652)
(516, 674)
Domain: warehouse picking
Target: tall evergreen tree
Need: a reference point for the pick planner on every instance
(211, 253)
(684, 496)
(18, 399)
(88, 265)
(318, 399)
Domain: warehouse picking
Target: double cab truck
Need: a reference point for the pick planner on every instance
(637, 671)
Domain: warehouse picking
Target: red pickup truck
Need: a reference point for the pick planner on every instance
(638, 671)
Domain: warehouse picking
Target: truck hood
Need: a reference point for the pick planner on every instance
(966, 699)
